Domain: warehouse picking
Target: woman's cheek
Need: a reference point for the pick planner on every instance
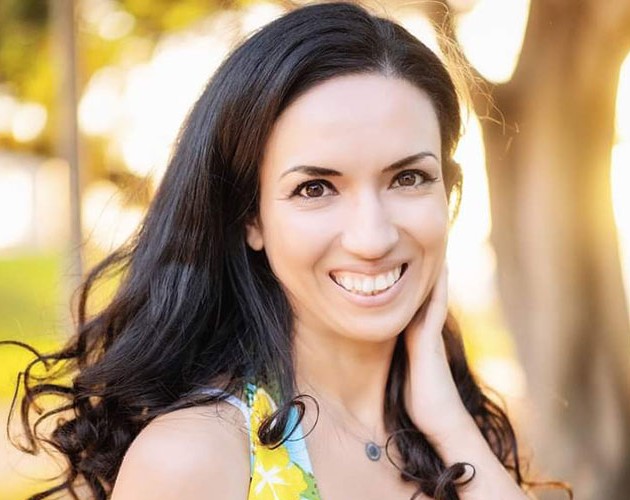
(427, 223)
(299, 236)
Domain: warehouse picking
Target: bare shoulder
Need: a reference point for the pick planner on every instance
(190, 453)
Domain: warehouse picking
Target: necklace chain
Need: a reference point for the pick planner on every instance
(372, 450)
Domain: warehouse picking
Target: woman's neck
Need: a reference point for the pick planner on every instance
(347, 377)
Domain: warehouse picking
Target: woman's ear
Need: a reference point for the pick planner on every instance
(254, 234)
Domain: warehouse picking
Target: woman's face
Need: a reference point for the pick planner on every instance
(351, 195)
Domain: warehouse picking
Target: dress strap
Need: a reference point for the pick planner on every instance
(244, 409)
(228, 398)
(296, 442)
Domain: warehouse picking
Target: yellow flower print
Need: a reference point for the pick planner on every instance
(262, 407)
(275, 477)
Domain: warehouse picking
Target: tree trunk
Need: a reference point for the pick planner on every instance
(68, 143)
(559, 270)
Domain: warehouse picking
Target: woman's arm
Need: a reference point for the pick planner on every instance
(188, 454)
(436, 408)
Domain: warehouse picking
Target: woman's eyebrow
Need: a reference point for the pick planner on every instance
(315, 171)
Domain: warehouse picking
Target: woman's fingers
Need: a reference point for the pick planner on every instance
(438, 303)
(431, 316)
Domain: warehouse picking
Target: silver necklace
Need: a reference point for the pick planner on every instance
(372, 450)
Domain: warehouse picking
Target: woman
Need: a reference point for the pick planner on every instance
(281, 329)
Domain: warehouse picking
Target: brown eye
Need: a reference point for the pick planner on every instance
(414, 179)
(407, 179)
(314, 190)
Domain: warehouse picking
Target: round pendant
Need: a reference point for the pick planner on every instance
(373, 451)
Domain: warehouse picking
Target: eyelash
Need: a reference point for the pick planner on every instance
(428, 179)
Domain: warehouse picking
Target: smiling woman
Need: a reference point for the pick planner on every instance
(281, 330)
(358, 222)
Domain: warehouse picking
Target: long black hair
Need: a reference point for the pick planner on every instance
(197, 306)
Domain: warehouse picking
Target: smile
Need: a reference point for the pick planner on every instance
(361, 284)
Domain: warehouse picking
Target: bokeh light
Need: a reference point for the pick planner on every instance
(16, 205)
(29, 121)
(492, 34)
(620, 172)
(107, 222)
(8, 108)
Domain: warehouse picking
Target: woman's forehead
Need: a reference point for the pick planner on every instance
(357, 118)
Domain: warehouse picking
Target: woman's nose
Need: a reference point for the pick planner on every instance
(369, 231)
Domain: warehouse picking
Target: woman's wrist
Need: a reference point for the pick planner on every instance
(464, 442)
(443, 428)
(454, 431)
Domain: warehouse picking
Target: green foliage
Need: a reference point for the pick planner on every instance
(156, 16)
(30, 291)
(23, 41)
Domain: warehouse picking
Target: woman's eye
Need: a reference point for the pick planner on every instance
(312, 189)
(408, 178)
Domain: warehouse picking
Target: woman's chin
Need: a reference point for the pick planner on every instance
(374, 332)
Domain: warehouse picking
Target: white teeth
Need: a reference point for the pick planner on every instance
(368, 285)
(380, 283)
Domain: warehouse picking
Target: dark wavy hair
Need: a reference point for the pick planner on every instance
(197, 306)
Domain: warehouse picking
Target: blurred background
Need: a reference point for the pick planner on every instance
(92, 93)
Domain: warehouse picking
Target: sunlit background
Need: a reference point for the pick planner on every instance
(129, 111)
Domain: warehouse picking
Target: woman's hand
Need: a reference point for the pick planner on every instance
(435, 407)
(431, 396)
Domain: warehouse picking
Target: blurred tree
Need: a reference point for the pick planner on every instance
(29, 66)
(548, 136)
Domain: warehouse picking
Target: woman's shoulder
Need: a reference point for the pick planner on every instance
(186, 453)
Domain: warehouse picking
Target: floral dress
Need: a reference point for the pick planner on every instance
(282, 473)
